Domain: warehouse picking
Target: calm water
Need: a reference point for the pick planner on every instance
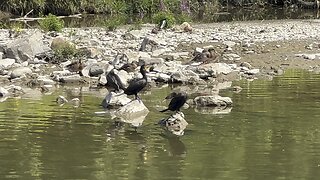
(272, 132)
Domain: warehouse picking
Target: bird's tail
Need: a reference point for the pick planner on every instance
(164, 110)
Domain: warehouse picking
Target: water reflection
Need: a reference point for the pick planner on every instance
(272, 132)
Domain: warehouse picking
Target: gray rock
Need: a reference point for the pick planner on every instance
(75, 102)
(19, 72)
(45, 80)
(231, 57)
(213, 101)
(113, 99)
(70, 79)
(152, 60)
(148, 44)
(95, 70)
(1, 55)
(26, 48)
(132, 110)
(6, 62)
(102, 80)
(252, 71)
(176, 124)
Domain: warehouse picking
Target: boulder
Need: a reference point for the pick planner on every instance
(95, 70)
(174, 123)
(71, 79)
(5, 63)
(26, 48)
(212, 101)
(132, 110)
(115, 99)
(19, 72)
(61, 100)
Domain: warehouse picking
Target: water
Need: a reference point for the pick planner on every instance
(272, 132)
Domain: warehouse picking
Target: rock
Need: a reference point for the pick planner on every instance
(175, 123)
(90, 52)
(102, 80)
(185, 27)
(5, 63)
(95, 70)
(212, 101)
(19, 72)
(75, 102)
(3, 92)
(113, 99)
(246, 64)
(215, 68)
(132, 110)
(1, 55)
(61, 100)
(231, 57)
(252, 71)
(70, 79)
(26, 48)
(159, 52)
(134, 120)
(153, 60)
(45, 81)
(229, 44)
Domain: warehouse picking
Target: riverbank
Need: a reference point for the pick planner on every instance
(244, 50)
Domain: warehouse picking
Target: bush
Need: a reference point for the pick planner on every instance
(160, 16)
(51, 23)
(113, 22)
(63, 50)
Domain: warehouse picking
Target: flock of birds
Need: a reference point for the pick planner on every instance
(136, 85)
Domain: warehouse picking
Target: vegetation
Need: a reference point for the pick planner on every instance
(51, 23)
(63, 50)
(159, 17)
(139, 7)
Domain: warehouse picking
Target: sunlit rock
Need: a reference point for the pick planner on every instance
(113, 99)
(70, 79)
(19, 72)
(5, 63)
(212, 101)
(175, 123)
(133, 112)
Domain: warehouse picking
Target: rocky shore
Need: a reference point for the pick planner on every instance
(250, 50)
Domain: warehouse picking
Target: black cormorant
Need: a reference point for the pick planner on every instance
(137, 85)
(114, 81)
(177, 101)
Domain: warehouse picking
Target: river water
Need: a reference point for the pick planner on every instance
(272, 132)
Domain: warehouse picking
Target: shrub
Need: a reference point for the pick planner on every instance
(51, 23)
(113, 22)
(63, 50)
(160, 16)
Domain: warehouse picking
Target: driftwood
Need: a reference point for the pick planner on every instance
(308, 5)
(25, 18)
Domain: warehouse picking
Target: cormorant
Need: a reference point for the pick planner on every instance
(114, 81)
(137, 85)
(177, 101)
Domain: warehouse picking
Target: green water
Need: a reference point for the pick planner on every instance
(272, 132)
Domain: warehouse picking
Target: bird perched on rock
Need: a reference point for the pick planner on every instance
(177, 101)
(205, 56)
(114, 81)
(136, 85)
(76, 66)
(129, 67)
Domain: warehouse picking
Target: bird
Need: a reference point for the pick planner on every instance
(129, 67)
(114, 81)
(205, 56)
(76, 66)
(136, 85)
(177, 101)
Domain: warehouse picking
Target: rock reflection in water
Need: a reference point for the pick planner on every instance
(176, 146)
(213, 110)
